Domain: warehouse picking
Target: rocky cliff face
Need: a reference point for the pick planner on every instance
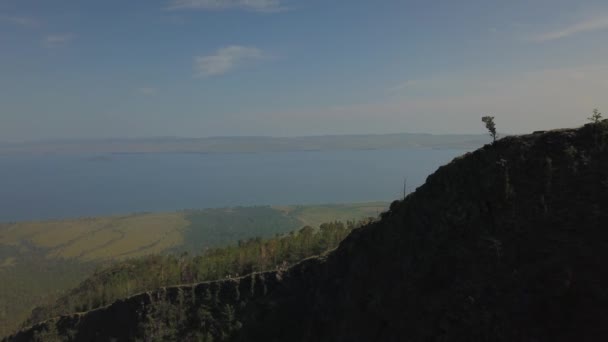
(508, 243)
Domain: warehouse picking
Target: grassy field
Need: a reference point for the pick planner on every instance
(95, 239)
(120, 237)
(40, 260)
(315, 215)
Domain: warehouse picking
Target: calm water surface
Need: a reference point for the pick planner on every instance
(45, 187)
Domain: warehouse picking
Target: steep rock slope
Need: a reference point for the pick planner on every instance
(508, 243)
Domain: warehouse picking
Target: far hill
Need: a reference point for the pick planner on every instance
(244, 144)
(508, 243)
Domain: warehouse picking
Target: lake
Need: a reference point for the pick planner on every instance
(53, 187)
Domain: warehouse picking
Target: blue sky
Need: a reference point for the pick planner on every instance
(116, 68)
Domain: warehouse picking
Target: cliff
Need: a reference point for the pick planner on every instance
(507, 243)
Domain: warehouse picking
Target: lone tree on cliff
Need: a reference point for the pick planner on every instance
(491, 126)
(596, 117)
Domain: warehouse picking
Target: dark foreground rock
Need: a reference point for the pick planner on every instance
(508, 243)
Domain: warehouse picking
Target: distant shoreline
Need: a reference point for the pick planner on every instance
(243, 144)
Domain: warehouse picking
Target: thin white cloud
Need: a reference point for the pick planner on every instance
(57, 40)
(598, 23)
(217, 5)
(226, 59)
(403, 86)
(19, 21)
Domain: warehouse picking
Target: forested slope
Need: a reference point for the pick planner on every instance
(40, 261)
(508, 243)
(133, 276)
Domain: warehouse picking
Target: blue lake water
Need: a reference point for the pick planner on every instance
(46, 187)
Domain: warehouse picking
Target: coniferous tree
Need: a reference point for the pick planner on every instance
(596, 117)
(490, 126)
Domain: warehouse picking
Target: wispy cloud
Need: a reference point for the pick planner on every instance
(249, 5)
(597, 23)
(403, 86)
(57, 40)
(226, 59)
(147, 91)
(19, 21)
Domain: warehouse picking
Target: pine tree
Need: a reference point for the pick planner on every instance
(596, 117)
(491, 126)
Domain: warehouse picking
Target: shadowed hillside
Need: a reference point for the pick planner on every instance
(507, 243)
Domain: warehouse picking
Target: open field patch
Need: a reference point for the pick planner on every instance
(314, 215)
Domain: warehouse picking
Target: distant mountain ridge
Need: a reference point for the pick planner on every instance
(243, 144)
(508, 243)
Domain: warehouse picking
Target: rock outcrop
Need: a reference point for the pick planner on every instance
(508, 243)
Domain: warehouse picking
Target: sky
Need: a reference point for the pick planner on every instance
(73, 69)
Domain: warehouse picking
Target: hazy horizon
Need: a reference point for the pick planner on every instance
(199, 68)
(210, 137)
